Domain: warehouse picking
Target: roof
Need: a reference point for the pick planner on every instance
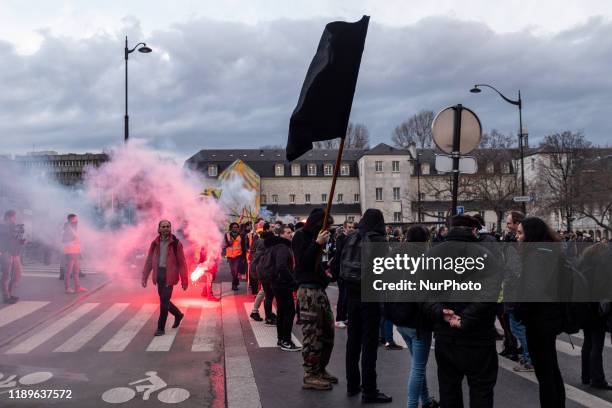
(383, 149)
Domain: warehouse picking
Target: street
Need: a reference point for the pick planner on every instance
(100, 349)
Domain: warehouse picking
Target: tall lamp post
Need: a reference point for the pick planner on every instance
(141, 47)
(519, 103)
(414, 156)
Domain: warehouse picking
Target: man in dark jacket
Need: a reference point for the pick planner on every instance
(348, 228)
(364, 317)
(465, 332)
(315, 310)
(283, 284)
(167, 261)
(11, 247)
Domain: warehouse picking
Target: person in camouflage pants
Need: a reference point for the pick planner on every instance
(318, 329)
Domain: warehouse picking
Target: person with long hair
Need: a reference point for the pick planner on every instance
(543, 320)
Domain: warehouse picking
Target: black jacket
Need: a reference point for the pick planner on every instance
(282, 260)
(307, 253)
(477, 318)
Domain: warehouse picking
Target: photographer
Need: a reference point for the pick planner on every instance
(11, 246)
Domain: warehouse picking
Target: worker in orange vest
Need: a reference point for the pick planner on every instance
(234, 248)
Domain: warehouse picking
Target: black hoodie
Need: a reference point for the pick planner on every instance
(307, 253)
(282, 260)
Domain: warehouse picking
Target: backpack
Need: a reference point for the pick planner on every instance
(265, 266)
(350, 258)
(575, 310)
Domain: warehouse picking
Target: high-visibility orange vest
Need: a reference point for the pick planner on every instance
(234, 249)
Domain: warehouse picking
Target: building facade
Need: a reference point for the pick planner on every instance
(67, 169)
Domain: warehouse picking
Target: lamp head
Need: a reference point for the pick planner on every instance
(144, 49)
(475, 89)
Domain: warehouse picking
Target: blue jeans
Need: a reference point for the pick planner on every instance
(386, 330)
(419, 350)
(518, 329)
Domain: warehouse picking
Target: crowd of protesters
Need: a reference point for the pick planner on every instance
(292, 265)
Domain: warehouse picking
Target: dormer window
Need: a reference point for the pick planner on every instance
(212, 170)
(328, 169)
(279, 169)
(312, 169)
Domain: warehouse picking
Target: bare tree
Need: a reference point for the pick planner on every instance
(496, 140)
(357, 137)
(558, 173)
(594, 191)
(417, 130)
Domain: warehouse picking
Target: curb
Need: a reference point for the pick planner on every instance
(76, 301)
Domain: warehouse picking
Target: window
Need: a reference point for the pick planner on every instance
(396, 193)
(292, 198)
(532, 163)
(351, 218)
(324, 198)
(441, 215)
(378, 166)
(395, 166)
(506, 168)
(397, 216)
(379, 196)
(345, 170)
(307, 198)
(312, 169)
(328, 170)
(275, 198)
(422, 196)
(279, 170)
(490, 167)
(340, 197)
(212, 170)
(425, 168)
(356, 199)
(296, 169)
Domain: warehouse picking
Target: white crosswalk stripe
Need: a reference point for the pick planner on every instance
(206, 336)
(266, 336)
(18, 310)
(127, 333)
(45, 334)
(164, 343)
(89, 332)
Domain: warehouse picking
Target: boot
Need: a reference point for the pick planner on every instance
(315, 382)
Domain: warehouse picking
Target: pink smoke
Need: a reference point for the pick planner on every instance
(154, 188)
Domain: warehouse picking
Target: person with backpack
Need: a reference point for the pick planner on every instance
(543, 320)
(280, 275)
(258, 250)
(166, 260)
(364, 317)
(595, 263)
(417, 333)
(315, 310)
(265, 270)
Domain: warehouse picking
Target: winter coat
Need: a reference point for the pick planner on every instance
(280, 250)
(176, 267)
(307, 253)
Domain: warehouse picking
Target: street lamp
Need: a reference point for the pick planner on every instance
(414, 156)
(141, 47)
(519, 103)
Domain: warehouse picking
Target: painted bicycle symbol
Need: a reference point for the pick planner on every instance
(11, 381)
(120, 395)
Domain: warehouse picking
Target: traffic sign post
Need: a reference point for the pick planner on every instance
(522, 199)
(460, 210)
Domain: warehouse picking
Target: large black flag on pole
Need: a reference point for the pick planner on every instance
(324, 106)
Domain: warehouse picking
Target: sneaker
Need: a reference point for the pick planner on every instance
(328, 377)
(255, 316)
(80, 290)
(289, 346)
(177, 320)
(10, 300)
(390, 345)
(279, 343)
(523, 367)
(340, 325)
(234, 287)
(315, 382)
(270, 322)
(159, 332)
(69, 290)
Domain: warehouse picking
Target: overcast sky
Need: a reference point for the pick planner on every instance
(228, 74)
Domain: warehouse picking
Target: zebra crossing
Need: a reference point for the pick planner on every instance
(51, 270)
(203, 327)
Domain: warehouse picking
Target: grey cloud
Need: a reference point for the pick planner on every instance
(235, 85)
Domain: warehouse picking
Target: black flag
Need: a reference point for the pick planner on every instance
(324, 106)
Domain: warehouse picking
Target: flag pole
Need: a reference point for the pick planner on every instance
(330, 197)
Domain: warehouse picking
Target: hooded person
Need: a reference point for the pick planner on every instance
(364, 317)
(314, 307)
